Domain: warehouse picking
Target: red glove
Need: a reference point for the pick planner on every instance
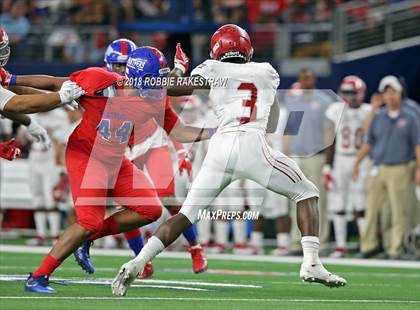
(328, 179)
(184, 163)
(10, 149)
(5, 77)
(181, 60)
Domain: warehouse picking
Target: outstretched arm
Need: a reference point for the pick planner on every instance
(17, 117)
(45, 82)
(41, 102)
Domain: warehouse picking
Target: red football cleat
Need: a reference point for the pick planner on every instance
(199, 259)
(147, 271)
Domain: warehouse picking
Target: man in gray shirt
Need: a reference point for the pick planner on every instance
(393, 140)
(304, 138)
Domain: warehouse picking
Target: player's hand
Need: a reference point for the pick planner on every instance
(355, 172)
(5, 77)
(10, 149)
(328, 179)
(70, 91)
(184, 164)
(181, 60)
(72, 106)
(39, 133)
(376, 100)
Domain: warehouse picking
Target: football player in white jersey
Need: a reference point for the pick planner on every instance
(45, 166)
(239, 150)
(12, 106)
(347, 119)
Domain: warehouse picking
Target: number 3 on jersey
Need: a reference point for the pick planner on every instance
(123, 132)
(249, 103)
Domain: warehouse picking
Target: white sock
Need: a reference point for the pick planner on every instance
(340, 230)
(361, 225)
(257, 239)
(221, 232)
(310, 246)
(283, 240)
(152, 248)
(239, 232)
(54, 219)
(40, 218)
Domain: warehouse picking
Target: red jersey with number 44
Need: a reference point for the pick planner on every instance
(111, 118)
(241, 94)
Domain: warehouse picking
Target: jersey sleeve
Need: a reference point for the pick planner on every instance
(171, 118)
(5, 96)
(95, 79)
(206, 69)
(333, 112)
(274, 76)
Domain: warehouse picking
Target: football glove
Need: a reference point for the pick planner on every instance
(70, 91)
(184, 163)
(181, 60)
(5, 77)
(10, 149)
(39, 134)
(328, 179)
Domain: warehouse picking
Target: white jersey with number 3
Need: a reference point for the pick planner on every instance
(239, 149)
(348, 124)
(245, 100)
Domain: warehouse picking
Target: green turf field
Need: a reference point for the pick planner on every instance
(228, 285)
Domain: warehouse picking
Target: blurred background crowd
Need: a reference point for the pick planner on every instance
(313, 44)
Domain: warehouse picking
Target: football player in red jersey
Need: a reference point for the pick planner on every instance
(97, 168)
(150, 151)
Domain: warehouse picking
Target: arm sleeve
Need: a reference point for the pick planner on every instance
(171, 118)
(5, 96)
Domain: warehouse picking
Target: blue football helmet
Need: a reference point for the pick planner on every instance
(146, 62)
(118, 51)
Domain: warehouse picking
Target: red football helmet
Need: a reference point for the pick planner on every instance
(231, 41)
(4, 47)
(352, 90)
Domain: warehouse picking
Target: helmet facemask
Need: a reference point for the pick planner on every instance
(4, 49)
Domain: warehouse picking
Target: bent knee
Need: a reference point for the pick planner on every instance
(149, 213)
(305, 190)
(90, 222)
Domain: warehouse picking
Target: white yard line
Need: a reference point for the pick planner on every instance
(279, 300)
(251, 258)
(145, 283)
